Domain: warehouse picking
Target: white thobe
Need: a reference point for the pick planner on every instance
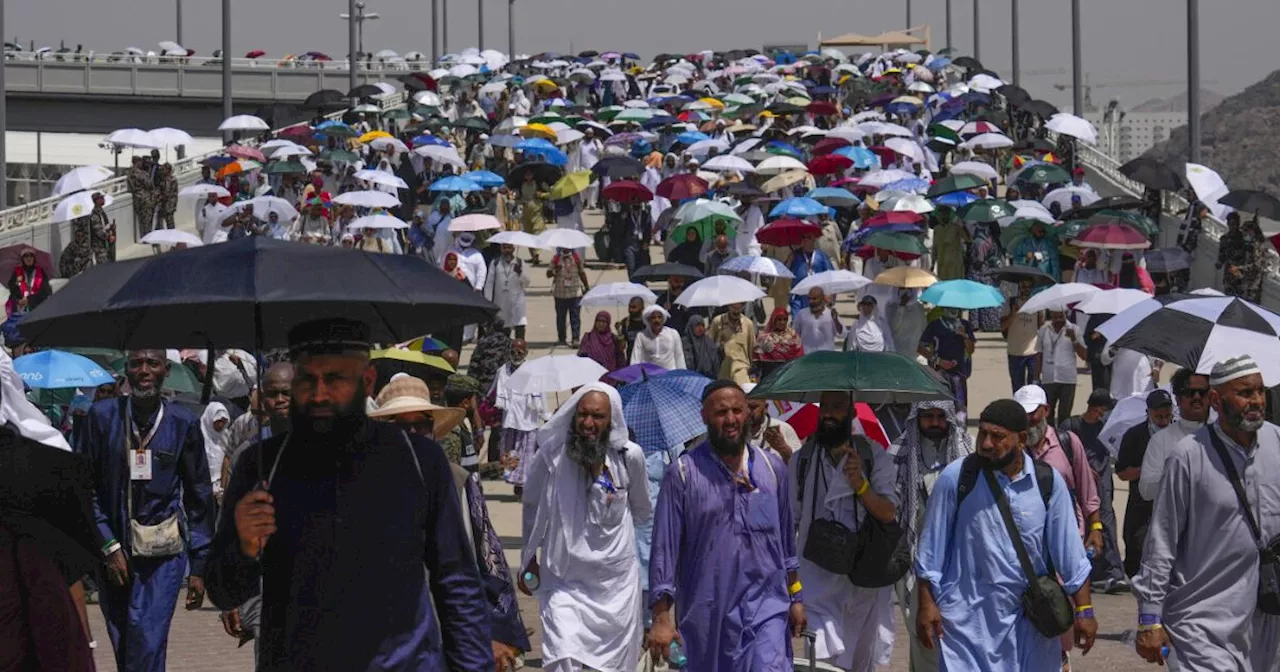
(231, 381)
(817, 332)
(1159, 448)
(505, 288)
(651, 178)
(1130, 372)
(473, 264)
(520, 412)
(207, 221)
(869, 334)
(883, 294)
(666, 349)
(908, 323)
(752, 220)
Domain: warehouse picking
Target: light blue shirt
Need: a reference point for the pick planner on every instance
(968, 558)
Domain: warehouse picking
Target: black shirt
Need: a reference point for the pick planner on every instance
(1133, 446)
(1088, 433)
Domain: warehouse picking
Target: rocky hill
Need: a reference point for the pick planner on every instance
(1240, 138)
(1208, 100)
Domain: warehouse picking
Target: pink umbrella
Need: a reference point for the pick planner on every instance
(1112, 237)
(242, 152)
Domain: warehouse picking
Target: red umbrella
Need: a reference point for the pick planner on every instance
(1112, 237)
(256, 53)
(822, 108)
(242, 152)
(787, 231)
(830, 164)
(894, 217)
(680, 187)
(887, 155)
(828, 145)
(300, 133)
(804, 419)
(628, 191)
(851, 181)
(866, 252)
(11, 257)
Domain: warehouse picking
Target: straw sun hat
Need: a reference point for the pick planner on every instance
(406, 394)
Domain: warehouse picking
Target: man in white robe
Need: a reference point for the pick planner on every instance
(657, 343)
(870, 332)
(587, 156)
(208, 217)
(585, 491)
(1131, 372)
(907, 319)
(471, 260)
(884, 294)
(504, 285)
(752, 221)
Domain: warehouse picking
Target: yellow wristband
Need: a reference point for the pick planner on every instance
(1083, 607)
(795, 588)
(865, 486)
(1095, 526)
(1154, 626)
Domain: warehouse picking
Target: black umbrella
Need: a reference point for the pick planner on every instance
(1153, 173)
(1105, 203)
(1016, 95)
(745, 190)
(543, 173)
(617, 167)
(967, 62)
(249, 293)
(590, 53)
(472, 123)
(1018, 273)
(1257, 202)
(1034, 144)
(664, 271)
(365, 91)
(325, 98)
(784, 108)
(1041, 108)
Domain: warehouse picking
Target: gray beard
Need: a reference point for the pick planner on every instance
(586, 451)
(1036, 433)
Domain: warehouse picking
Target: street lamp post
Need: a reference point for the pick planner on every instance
(480, 25)
(1193, 81)
(1013, 16)
(435, 31)
(227, 109)
(908, 14)
(977, 31)
(178, 35)
(356, 15)
(1077, 90)
(354, 46)
(948, 24)
(444, 25)
(511, 29)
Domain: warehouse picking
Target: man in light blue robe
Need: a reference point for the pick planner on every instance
(139, 594)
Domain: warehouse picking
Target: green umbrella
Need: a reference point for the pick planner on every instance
(473, 123)
(546, 118)
(954, 183)
(180, 378)
(107, 357)
(941, 132)
(895, 242)
(338, 132)
(609, 112)
(339, 155)
(637, 115)
(1018, 229)
(986, 210)
(871, 377)
(1127, 217)
(399, 114)
(1046, 173)
(286, 168)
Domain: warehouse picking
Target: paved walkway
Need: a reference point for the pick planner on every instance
(197, 642)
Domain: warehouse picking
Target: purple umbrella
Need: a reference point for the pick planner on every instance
(631, 374)
(623, 140)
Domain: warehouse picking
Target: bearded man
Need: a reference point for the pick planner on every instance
(584, 492)
(723, 568)
(356, 534)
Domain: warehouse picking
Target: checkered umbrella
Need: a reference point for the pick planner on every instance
(665, 410)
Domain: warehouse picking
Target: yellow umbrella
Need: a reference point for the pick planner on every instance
(373, 135)
(712, 102)
(784, 180)
(907, 277)
(799, 101)
(413, 357)
(538, 131)
(570, 184)
(740, 127)
(546, 85)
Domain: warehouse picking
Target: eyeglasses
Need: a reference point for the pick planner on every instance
(1194, 392)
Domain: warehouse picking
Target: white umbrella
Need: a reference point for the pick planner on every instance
(441, 154)
(473, 223)
(985, 83)
(291, 150)
(243, 122)
(571, 239)
(1076, 127)
(1058, 297)
(906, 147)
(779, 164)
(517, 238)
(1209, 187)
(555, 373)
(983, 170)
(849, 133)
(767, 266)
(265, 205)
(81, 178)
(719, 290)
(170, 45)
(1111, 301)
(728, 163)
(832, 282)
(428, 98)
(132, 137)
(1062, 196)
(172, 237)
(170, 137)
(912, 203)
(1207, 291)
(377, 222)
(367, 199)
(1125, 415)
(379, 177)
(569, 135)
(704, 147)
(382, 143)
(880, 178)
(615, 293)
(77, 205)
(987, 141)
(202, 189)
(884, 128)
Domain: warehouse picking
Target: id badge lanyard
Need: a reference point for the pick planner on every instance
(138, 452)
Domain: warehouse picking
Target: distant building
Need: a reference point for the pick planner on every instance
(1134, 132)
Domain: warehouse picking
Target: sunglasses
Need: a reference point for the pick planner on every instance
(1194, 392)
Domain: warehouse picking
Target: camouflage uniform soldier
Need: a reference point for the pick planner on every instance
(168, 196)
(462, 444)
(143, 190)
(1240, 256)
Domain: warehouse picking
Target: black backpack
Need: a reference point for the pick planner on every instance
(970, 469)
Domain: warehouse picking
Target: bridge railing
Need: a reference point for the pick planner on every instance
(289, 61)
(32, 223)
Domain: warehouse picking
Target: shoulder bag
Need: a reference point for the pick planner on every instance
(1268, 552)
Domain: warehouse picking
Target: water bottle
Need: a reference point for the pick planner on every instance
(675, 655)
(531, 580)
(1170, 660)
(1088, 551)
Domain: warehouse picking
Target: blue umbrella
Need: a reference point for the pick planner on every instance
(53, 369)
(798, 207)
(430, 140)
(965, 294)
(913, 185)
(939, 63)
(862, 157)
(955, 199)
(485, 178)
(690, 137)
(777, 146)
(552, 156)
(535, 144)
(454, 183)
(834, 196)
(666, 410)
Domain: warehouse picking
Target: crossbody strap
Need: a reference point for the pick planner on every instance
(1023, 558)
(1236, 484)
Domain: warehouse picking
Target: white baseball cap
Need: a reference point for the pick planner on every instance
(1031, 397)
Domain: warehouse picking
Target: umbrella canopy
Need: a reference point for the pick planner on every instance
(617, 293)
(627, 191)
(11, 257)
(832, 282)
(1153, 173)
(775, 165)
(682, 187)
(907, 277)
(367, 199)
(953, 183)
(81, 178)
(572, 183)
(664, 271)
(618, 167)
(243, 122)
(767, 266)
(1016, 274)
(986, 210)
(787, 231)
(836, 197)
(171, 300)
(1166, 260)
(171, 237)
(454, 183)
(378, 221)
(632, 373)
(1058, 297)
(55, 369)
(1044, 173)
(1111, 301)
(571, 239)
(1112, 237)
(1076, 127)
(964, 294)
(801, 206)
(719, 290)
(664, 410)
(77, 205)
(872, 377)
(543, 173)
(1255, 202)
(895, 242)
(555, 373)
(474, 222)
(1196, 332)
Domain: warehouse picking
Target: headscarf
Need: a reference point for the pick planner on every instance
(215, 442)
(778, 345)
(910, 485)
(703, 355)
(600, 347)
(557, 527)
(17, 410)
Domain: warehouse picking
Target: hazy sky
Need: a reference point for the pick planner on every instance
(1125, 41)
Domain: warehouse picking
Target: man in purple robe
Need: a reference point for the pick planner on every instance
(724, 550)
